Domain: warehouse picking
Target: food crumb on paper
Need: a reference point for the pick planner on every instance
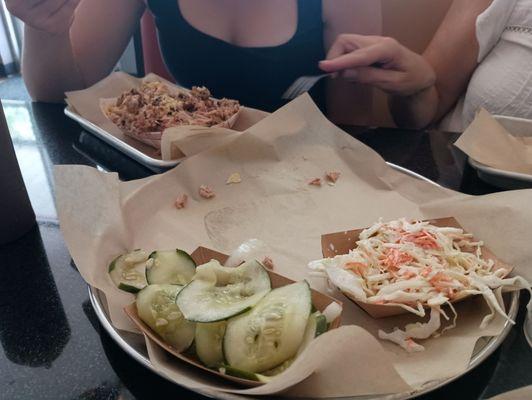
(234, 178)
(315, 182)
(181, 201)
(333, 176)
(268, 263)
(206, 192)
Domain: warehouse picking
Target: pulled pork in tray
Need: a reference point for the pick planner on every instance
(154, 107)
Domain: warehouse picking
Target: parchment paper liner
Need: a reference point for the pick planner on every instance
(333, 244)
(203, 255)
(101, 217)
(487, 141)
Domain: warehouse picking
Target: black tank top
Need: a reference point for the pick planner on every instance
(256, 76)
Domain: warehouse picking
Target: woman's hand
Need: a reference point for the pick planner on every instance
(51, 16)
(379, 61)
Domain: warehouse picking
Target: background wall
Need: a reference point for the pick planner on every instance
(413, 23)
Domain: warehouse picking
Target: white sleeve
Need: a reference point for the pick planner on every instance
(491, 24)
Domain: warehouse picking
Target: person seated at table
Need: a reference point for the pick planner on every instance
(247, 50)
(480, 56)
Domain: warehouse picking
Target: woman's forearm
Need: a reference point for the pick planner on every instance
(383, 62)
(49, 66)
(415, 111)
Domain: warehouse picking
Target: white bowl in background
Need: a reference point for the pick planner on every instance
(519, 127)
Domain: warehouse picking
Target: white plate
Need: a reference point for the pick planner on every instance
(135, 346)
(501, 178)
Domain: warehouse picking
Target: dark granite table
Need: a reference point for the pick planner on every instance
(53, 345)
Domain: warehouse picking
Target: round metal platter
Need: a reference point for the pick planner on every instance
(134, 345)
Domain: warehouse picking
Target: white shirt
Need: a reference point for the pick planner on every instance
(502, 82)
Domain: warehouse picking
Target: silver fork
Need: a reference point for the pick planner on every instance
(301, 85)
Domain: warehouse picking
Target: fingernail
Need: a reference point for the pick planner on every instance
(322, 66)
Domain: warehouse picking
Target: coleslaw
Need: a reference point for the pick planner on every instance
(417, 266)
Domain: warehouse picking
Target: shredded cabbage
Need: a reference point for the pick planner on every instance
(332, 311)
(249, 250)
(417, 265)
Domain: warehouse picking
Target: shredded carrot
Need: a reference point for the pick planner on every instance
(393, 258)
(439, 281)
(409, 275)
(440, 277)
(422, 239)
(356, 267)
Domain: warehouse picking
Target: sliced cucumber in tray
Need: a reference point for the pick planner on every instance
(173, 267)
(209, 338)
(316, 326)
(280, 368)
(217, 293)
(271, 332)
(128, 271)
(238, 373)
(156, 307)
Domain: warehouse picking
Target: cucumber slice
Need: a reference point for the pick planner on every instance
(263, 378)
(316, 325)
(209, 338)
(217, 293)
(321, 324)
(238, 373)
(156, 307)
(128, 271)
(271, 332)
(280, 368)
(173, 267)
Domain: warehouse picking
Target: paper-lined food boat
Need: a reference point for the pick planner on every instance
(339, 243)
(204, 255)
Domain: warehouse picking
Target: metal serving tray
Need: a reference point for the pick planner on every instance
(143, 158)
(135, 345)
